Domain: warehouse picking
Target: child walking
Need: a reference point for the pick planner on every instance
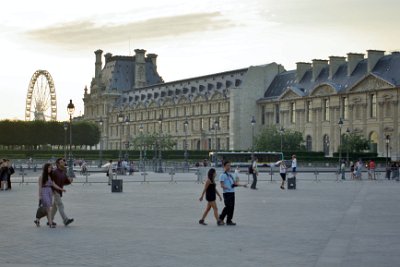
(210, 191)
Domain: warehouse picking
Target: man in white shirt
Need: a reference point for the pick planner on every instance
(294, 164)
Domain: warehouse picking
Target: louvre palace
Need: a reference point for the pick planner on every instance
(216, 111)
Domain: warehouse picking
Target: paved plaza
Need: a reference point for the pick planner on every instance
(325, 223)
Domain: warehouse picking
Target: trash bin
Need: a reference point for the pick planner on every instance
(291, 183)
(116, 185)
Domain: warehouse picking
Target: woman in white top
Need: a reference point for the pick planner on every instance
(282, 172)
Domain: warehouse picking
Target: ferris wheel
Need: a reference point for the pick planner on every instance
(41, 102)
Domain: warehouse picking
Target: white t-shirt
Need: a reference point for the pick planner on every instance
(294, 163)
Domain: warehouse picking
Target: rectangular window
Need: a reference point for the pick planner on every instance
(209, 143)
(309, 111)
(227, 143)
(176, 126)
(201, 109)
(193, 110)
(372, 105)
(293, 112)
(262, 115)
(345, 104)
(277, 113)
(326, 109)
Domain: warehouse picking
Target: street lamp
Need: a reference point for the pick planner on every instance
(340, 123)
(185, 125)
(387, 149)
(216, 126)
(253, 123)
(120, 118)
(160, 170)
(347, 144)
(101, 143)
(65, 138)
(281, 131)
(141, 146)
(71, 110)
(127, 141)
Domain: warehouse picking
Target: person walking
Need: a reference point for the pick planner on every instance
(282, 172)
(60, 178)
(110, 172)
(372, 167)
(211, 192)
(352, 170)
(46, 187)
(294, 165)
(10, 172)
(228, 185)
(255, 173)
(343, 169)
(3, 174)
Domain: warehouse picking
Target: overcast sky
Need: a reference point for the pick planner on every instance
(191, 38)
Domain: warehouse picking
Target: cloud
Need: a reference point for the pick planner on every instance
(87, 33)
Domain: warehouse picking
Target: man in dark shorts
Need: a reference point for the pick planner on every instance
(60, 178)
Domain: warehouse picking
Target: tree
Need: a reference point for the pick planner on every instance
(269, 139)
(150, 141)
(354, 142)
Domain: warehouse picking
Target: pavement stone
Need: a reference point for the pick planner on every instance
(326, 223)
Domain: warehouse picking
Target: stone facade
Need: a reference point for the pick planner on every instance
(310, 99)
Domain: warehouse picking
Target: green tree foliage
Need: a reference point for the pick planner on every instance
(35, 133)
(269, 139)
(354, 142)
(151, 140)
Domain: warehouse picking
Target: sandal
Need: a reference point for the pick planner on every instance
(37, 222)
(202, 222)
(283, 188)
(52, 225)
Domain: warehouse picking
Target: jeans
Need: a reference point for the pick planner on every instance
(253, 185)
(229, 201)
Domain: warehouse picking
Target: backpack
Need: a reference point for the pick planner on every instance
(251, 169)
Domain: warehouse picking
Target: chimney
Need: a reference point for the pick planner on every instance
(317, 66)
(107, 57)
(140, 68)
(301, 69)
(153, 59)
(352, 61)
(98, 64)
(334, 64)
(373, 58)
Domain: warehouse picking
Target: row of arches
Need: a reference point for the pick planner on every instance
(326, 147)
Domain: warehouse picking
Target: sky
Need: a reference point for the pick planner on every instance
(191, 38)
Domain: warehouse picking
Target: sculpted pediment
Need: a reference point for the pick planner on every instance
(289, 94)
(370, 83)
(323, 90)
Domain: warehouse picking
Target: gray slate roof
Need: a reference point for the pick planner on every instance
(387, 68)
(119, 73)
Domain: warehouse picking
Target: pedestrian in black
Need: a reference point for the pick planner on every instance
(211, 192)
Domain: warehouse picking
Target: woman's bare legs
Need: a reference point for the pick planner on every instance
(206, 211)
(214, 206)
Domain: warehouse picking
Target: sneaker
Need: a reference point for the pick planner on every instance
(202, 222)
(52, 224)
(220, 222)
(37, 223)
(231, 223)
(68, 221)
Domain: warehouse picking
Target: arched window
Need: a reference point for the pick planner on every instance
(308, 143)
(326, 144)
(373, 138)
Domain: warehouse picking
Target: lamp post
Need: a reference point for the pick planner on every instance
(160, 170)
(120, 118)
(387, 149)
(281, 131)
(347, 145)
(71, 110)
(65, 138)
(185, 125)
(216, 125)
(340, 123)
(253, 123)
(127, 141)
(101, 143)
(141, 146)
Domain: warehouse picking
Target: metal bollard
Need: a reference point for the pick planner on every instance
(144, 177)
(86, 179)
(316, 176)
(172, 173)
(271, 173)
